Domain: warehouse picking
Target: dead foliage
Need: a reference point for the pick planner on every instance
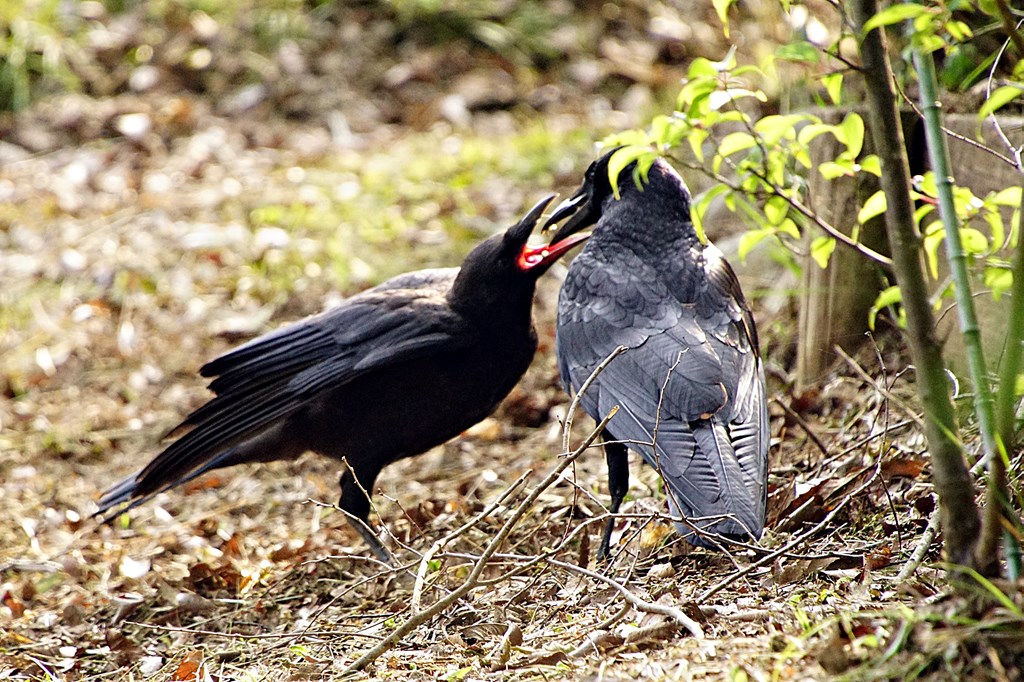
(127, 261)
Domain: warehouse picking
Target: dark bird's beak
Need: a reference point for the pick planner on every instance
(531, 257)
(565, 209)
(581, 207)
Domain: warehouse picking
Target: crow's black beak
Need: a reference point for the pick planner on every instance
(564, 210)
(538, 209)
(581, 207)
(520, 232)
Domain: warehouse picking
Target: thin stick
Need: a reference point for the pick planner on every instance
(636, 602)
(472, 579)
(767, 558)
(924, 543)
(672, 612)
(421, 573)
(802, 423)
(883, 390)
(575, 404)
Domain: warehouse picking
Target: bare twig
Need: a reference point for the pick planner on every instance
(472, 580)
(881, 389)
(421, 573)
(771, 556)
(802, 423)
(575, 404)
(924, 543)
(800, 208)
(257, 636)
(692, 626)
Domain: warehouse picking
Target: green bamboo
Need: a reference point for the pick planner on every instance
(953, 483)
(1006, 398)
(984, 408)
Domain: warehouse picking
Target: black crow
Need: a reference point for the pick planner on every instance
(389, 373)
(691, 381)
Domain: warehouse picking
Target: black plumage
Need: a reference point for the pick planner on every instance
(691, 381)
(387, 374)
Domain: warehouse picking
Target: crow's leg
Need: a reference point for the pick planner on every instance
(356, 488)
(617, 457)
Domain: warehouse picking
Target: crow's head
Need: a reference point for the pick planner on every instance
(502, 261)
(585, 203)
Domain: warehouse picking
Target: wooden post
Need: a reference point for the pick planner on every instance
(834, 301)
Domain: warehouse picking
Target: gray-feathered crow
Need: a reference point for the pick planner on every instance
(691, 385)
(388, 374)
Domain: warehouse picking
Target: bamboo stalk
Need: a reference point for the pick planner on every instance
(952, 480)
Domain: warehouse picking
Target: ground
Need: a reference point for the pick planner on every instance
(146, 230)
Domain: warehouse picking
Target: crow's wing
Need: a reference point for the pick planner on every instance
(263, 382)
(684, 383)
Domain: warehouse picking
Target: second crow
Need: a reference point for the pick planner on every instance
(691, 384)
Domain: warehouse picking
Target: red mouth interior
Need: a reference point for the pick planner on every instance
(531, 257)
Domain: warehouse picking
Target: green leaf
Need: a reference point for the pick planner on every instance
(701, 67)
(932, 238)
(996, 228)
(999, 280)
(973, 241)
(1007, 197)
(821, 250)
(928, 43)
(894, 14)
(623, 158)
(667, 131)
(750, 239)
(874, 206)
(813, 130)
(736, 142)
(871, 164)
(833, 83)
(719, 98)
(773, 128)
(1000, 98)
(722, 9)
(853, 131)
(888, 297)
(788, 227)
(696, 139)
(921, 211)
(798, 51)
(959, 31)
(701, 205)
(776, 209)
(830, 170)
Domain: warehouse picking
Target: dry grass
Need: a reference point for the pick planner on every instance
(125, 265)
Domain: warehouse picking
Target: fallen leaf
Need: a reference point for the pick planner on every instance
(903, 466)
(191, 668)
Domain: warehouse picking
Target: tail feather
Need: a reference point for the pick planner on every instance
(736, 500)
(164, 473)
(128, 494)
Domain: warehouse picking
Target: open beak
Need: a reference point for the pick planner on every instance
(533, 256)
(579, 206)
(564, 210)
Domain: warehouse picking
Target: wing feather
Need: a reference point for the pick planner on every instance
(690, 386)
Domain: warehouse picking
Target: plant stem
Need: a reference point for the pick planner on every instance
(1006, 398)
(987, 553)
(953, 482)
